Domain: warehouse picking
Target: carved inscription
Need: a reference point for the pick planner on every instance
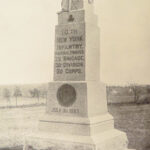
(65, 110)
(70, 52)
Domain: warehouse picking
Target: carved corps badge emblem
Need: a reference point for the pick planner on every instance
(66, 95)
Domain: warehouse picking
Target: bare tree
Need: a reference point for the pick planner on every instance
(44, 94)
(136, 91)
(17, 93)
(35, 93)
(6, 95)
(148, 89)
(31, 93)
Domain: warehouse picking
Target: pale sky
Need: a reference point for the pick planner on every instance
(27, 40)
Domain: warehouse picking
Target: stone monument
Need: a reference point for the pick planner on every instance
(76, 115)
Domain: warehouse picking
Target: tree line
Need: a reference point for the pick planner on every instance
(140, 93)
(17, 92)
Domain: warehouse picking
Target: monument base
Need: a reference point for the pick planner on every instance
(82, 126)
(108, 140)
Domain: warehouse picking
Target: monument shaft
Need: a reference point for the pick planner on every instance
(76, 112)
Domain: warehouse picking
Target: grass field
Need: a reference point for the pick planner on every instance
(16, 123)
(134, 120)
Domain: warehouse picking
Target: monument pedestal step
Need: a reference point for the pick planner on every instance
(108, 140)
(82, 126)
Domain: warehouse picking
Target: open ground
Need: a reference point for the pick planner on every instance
(16, 123)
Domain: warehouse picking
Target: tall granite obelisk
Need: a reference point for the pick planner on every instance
(76, 115)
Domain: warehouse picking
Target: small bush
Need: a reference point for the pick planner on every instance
(144, 99)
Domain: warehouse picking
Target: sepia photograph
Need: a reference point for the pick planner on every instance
(74, 75)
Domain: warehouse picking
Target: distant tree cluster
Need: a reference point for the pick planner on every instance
(35, 93)
(140, 93)
(16, 92)
(7, 95)
(136, 91)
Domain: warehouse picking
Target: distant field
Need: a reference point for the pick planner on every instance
(120, 99)
(21, 101)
